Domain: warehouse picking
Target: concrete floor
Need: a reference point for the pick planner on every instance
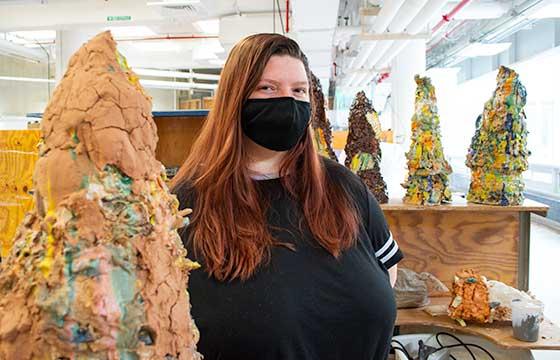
(544, 273)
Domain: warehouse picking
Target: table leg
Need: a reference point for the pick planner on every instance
(524, 250)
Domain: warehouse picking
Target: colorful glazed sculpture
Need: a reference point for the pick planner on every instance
(476, 299)
(363, 153)
(321, 126)
(97, 270)
(427, 181)
(498, 154)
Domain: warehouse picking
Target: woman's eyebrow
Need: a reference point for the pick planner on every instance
(271, 81)
(301, 83)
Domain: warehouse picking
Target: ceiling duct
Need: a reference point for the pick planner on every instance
(446, 53)
(196, 10)
(386, 15)
(419, 23)
(408, 11)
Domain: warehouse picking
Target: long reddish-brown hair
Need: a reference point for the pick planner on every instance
(229, 227)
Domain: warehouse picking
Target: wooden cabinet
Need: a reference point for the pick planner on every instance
(443, 239)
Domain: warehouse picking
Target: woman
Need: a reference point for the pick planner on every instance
(294, 249)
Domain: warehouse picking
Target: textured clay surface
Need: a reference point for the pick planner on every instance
(97, 270)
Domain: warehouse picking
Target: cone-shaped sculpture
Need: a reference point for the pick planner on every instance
(97, 270)
(498, 154)
(428, 171)
(363, 153)
(321, 126)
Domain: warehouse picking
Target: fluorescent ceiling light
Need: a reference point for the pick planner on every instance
(155, 46)
(172, 2)
(38, 35)
(219, 62)
(213, 45)
(551, 10)
(208, 27)
(130, 31)
(174, 85)
(203, 53)
(16, 39)
(483, 49)
(436, 71)
(175, 74)
(26, 79)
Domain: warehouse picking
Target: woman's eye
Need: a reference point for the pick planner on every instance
(301, 91)
(266, 88)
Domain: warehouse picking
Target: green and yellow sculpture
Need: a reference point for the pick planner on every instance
(498, 154)
(427, 182)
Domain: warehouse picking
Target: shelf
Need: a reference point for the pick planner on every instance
(499, 333)
(158, 114)
(460, 204)
(180, 113)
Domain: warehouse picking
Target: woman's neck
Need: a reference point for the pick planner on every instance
(263, 161)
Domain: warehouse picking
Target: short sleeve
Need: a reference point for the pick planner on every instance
(385, 247)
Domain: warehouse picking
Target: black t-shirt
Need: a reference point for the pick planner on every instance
(303, 304)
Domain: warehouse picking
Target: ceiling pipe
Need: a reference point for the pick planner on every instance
(519, 19)
(448, 17)
(407, 13)
(419, 23)
(170, 85)
(287, 16)
(359, 80)
(168, 37)
(386, 15)
(349, 79)
(175, 74)
(446, 36)
(409, 10)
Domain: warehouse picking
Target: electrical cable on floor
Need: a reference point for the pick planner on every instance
(402, 348)
(460, 343)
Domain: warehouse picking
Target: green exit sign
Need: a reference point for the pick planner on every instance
(119, 18)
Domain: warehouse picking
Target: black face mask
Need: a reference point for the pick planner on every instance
(276, 123)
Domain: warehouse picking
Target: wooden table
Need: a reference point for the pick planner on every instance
(443, 239)
(177, 131)
(18, 155)
(499, 333)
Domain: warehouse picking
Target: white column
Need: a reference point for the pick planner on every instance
(409, 62)
(67, 43)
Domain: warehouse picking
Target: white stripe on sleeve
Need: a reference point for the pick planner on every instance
(387, 245)
(390, 254)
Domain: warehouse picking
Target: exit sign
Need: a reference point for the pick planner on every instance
(119, 18)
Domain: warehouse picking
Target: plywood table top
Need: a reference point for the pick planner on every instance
(460, 204)
(499, 333)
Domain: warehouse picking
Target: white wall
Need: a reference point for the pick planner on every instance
(19, 98)
(162, 99)
(459, 105)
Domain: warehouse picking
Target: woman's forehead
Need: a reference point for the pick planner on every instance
(285, 68)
